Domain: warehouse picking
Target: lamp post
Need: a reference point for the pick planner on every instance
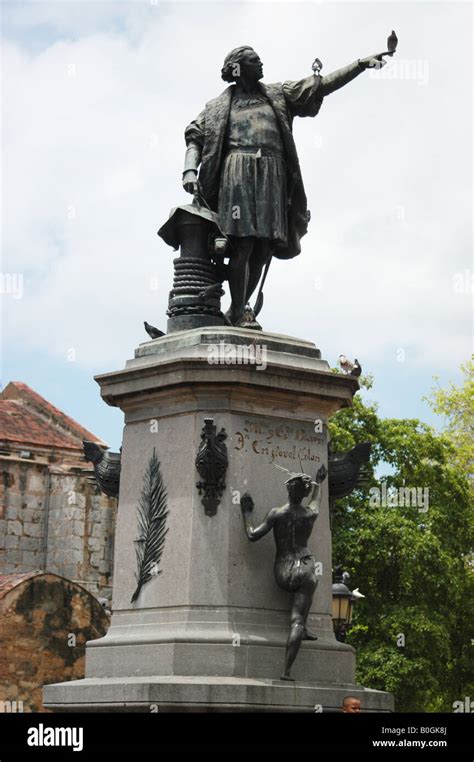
(342, 600)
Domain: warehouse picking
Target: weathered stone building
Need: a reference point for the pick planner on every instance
(52, 515)
(45, 622)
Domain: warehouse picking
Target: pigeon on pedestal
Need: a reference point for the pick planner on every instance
(153, 332)
(350, 368)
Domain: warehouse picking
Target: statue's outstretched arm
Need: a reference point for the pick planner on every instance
(255, 533)
(341, 77)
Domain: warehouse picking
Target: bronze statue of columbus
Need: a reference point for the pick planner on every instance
(249, 172)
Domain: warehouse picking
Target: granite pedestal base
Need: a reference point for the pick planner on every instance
(207, 694)
(209, 631)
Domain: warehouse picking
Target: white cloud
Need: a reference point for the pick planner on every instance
(93, 151)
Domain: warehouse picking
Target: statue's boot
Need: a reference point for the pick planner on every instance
(307, 635)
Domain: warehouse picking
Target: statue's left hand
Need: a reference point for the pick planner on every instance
(376, 61)
(246, 503)
(190, 181)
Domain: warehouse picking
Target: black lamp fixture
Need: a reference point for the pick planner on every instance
(342, 600)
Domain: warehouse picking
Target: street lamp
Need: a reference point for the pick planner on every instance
(342, 600)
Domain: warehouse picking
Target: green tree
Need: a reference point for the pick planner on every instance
(456, 405)
(413, 630)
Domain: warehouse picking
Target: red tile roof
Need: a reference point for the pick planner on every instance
(27, 418)
(18, 424)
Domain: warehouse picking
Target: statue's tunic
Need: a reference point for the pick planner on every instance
(252, 193)
(213, 132)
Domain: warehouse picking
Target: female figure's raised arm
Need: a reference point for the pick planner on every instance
(255, 533)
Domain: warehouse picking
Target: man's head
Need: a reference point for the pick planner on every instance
(242, 62)
(351, 705)
(298, 486)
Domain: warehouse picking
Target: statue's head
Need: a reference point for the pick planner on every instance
(243, 61)
(298, 486)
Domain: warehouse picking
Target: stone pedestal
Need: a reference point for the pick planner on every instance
(209, 632)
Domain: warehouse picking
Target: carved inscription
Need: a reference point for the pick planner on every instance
(283, 441)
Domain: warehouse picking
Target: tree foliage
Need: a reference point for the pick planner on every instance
(414, 628)
(456, 405)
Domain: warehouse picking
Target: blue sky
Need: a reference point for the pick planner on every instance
(95, 100)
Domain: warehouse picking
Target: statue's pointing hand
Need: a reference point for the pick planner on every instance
(376, 61)
(246, 503)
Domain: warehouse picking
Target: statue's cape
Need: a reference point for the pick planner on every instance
(215, 124)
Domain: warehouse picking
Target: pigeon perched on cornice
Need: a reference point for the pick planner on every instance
(350, 368)
(153, 332)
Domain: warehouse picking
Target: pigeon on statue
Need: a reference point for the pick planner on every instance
(350, 368)
(345, 364)
(392, 42)
(153, 332)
